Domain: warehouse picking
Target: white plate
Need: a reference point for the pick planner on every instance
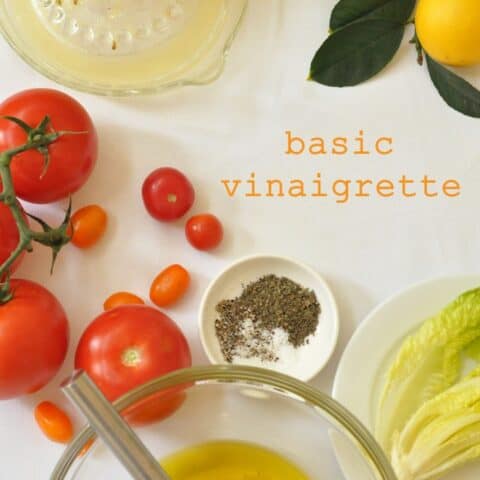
(313, 356)
(359, 374)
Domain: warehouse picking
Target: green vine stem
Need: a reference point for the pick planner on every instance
(38, 138)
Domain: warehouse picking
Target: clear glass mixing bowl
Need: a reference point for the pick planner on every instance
(123, 47)
(248, 405)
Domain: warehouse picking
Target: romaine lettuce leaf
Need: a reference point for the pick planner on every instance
(442, 435)
(473, 350)
(428, 363)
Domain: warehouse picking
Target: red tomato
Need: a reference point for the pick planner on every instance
(33, 339)
(122, 298)
(204, 232)
(169, 285)
(54, 422)
(167, 194)
(72, 157)
(130, 345)
(155, 407)
(87, 226)
(9, 236)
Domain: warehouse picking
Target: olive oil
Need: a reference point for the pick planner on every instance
(230, 461)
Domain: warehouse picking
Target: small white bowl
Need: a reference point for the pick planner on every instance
(310, 358)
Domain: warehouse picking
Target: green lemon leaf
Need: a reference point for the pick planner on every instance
(457, 92)
(356, 53)
(349, 11)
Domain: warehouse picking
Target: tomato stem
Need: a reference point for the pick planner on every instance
(38, 138)
(6, 293)
(131, 357)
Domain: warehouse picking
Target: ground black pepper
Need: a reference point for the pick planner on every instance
(246, 325)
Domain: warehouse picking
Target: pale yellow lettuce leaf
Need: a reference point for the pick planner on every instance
(442, 435)
(428, 362)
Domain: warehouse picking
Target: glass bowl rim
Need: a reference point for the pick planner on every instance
(209, 75)
(232, 374)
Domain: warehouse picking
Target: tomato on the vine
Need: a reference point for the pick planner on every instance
(204, 231)
(33, 339)
(72, 157)
(9, 236)
(167, 194)
(130, 345)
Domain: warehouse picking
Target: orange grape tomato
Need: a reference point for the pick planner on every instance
(54, 422)
(87, 226)
(169, 285)
(121, 298)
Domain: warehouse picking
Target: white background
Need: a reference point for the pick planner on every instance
(367, 249)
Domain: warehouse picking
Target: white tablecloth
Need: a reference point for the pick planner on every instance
(367, 248)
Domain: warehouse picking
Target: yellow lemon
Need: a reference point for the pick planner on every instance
(449, 30)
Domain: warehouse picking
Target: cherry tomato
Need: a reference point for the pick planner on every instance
(87, 226)
(169, 285)
(54, 422)
(9, 236)
(167, 194)
(33, 339)
(130, 345)
(121, 298)
(72, 157)
(204, 232)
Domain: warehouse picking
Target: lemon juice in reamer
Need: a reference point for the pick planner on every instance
(118, 42)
